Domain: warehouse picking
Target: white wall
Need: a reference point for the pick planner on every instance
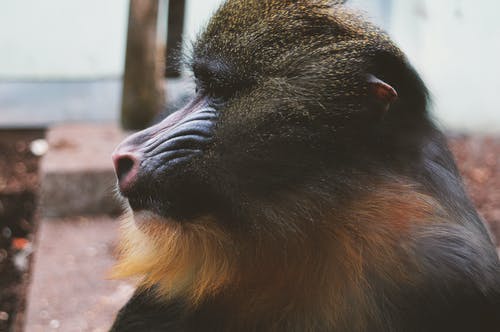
(377, 11)
(74, 39)
(198, 12)
(455, 45)
(62, 39)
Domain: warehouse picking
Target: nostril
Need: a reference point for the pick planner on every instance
(126, 169)
(123, 166)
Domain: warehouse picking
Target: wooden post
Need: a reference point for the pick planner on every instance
(143, 92)
(176, 9)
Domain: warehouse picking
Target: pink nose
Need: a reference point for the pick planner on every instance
(126, 169)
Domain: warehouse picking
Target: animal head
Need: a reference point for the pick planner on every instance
(295, 101)
(286, 91)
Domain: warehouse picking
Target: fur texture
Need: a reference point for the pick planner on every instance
(309, 207)
(316, 278)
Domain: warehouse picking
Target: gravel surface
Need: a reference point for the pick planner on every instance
(18, 186)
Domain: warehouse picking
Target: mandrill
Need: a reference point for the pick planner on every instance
(303, 188)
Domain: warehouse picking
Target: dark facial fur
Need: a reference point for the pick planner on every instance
(285, 84)
(289, 196)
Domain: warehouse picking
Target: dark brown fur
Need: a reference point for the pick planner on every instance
(311, 208)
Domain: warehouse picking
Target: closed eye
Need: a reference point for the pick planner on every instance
(214, 88)
(217, 80)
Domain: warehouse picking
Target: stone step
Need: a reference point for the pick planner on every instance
(77, 176)
(70, 290)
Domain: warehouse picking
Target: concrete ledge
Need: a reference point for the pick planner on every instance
(77, 176)
(69, 291)
(44, 103)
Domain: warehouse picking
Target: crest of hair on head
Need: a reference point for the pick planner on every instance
(193, 260)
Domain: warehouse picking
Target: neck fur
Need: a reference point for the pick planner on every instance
(314, 277)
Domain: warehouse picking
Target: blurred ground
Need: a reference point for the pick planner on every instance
(478, 159)
(18, 185)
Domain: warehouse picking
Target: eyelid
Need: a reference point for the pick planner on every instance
(215, 88)
(215, 99)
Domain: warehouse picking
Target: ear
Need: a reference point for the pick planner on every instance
(382, 93)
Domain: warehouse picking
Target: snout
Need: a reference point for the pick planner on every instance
(151, 156)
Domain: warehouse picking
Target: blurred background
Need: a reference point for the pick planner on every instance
(64, 60)
(74, 74)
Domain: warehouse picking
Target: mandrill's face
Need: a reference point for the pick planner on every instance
(293, 107)
(282, 96)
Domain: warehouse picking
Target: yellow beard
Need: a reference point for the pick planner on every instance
(192, 260)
